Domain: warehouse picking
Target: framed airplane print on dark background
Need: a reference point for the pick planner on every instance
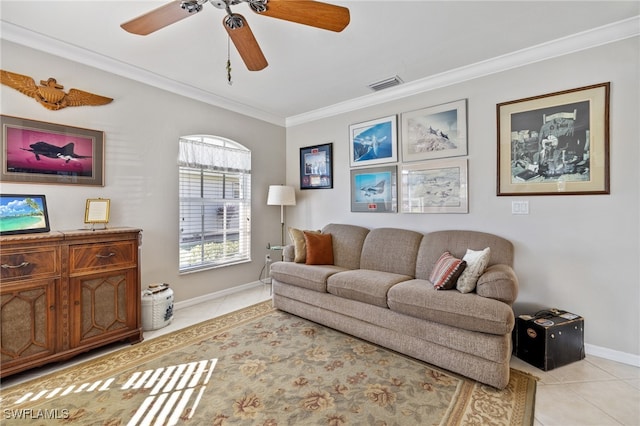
(39, 152)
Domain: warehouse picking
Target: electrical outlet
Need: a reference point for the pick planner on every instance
(267, 258)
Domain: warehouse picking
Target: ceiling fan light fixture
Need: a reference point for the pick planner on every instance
(192, 6)
(386, 83)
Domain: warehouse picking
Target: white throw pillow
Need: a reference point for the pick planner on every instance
(477, 262)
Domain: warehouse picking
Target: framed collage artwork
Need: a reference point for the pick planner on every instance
(555, 144)
(316, 167)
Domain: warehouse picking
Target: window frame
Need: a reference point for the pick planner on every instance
(210, 239)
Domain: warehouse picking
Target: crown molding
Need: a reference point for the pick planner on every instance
(574, 43)
(38, 41)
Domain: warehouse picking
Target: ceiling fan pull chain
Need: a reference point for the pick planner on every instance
(229, 61)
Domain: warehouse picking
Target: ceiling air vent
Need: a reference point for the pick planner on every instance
(386, 83)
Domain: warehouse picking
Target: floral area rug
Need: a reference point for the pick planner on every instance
(260, 366)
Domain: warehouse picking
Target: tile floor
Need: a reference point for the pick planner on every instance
(594, 391)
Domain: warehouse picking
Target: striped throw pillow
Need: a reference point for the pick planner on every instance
(446, 271)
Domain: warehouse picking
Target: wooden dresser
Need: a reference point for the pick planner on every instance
(63, 293)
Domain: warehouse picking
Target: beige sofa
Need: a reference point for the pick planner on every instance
(378, 289)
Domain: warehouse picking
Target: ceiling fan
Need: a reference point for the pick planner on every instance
(307, 12)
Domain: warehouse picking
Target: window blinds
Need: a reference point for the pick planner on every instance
(215, 204)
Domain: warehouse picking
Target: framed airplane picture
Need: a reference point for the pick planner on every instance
(38, 152)
(373, 142)
(373, 190)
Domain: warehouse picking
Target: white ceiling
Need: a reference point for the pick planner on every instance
(311, 70)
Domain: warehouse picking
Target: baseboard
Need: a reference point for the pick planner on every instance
(216, 295)
(612, 355)
(606, 353)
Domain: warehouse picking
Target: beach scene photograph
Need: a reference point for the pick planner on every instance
(19, 213)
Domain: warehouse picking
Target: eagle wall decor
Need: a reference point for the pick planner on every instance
(50, 94)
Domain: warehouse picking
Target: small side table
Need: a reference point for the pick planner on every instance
(267, 264)
(550, 338)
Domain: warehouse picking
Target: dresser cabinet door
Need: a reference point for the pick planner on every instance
(103, 307)
(27, 318)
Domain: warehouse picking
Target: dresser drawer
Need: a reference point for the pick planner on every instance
(30, 262)
(94, 257)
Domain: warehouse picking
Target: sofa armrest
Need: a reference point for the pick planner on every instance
(289, 253)
(498, 282)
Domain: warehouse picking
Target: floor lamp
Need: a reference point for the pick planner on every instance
(281, 195)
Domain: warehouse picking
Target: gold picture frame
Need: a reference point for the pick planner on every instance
(555, 144)
(97, 210)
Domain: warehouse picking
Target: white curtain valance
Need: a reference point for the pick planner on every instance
(207, 156)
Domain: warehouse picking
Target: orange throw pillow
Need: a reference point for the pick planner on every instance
(319, 249)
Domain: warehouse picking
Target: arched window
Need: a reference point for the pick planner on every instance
(215, 202)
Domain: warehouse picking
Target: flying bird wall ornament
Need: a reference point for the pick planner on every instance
(50, 94)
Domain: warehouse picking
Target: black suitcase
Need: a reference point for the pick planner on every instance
(550, 339)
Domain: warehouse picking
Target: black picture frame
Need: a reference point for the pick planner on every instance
(23, 214)
(316, 167)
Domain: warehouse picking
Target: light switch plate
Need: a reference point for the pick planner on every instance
(519, 207)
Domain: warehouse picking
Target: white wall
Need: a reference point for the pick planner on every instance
(578, 253)
(142, 126)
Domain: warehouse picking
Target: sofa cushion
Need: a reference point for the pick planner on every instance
(319, 248)
(477, 261)
(466, 311)
(364, 285)
(312, 277)
(446, 271)
(300, 246)
(391, 250)
(347, 244)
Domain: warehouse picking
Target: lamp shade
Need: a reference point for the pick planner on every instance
(281, 195)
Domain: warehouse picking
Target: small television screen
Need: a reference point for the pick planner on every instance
(23, 214)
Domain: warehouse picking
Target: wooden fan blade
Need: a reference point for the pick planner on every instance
(307, 12)
(157, 19)
(246, 44)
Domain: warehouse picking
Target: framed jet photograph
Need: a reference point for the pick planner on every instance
(373, 142)
(436, 186)
(39, 152)
(435, 132)
(373, 190)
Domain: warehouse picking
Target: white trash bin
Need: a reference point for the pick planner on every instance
(157, 306)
